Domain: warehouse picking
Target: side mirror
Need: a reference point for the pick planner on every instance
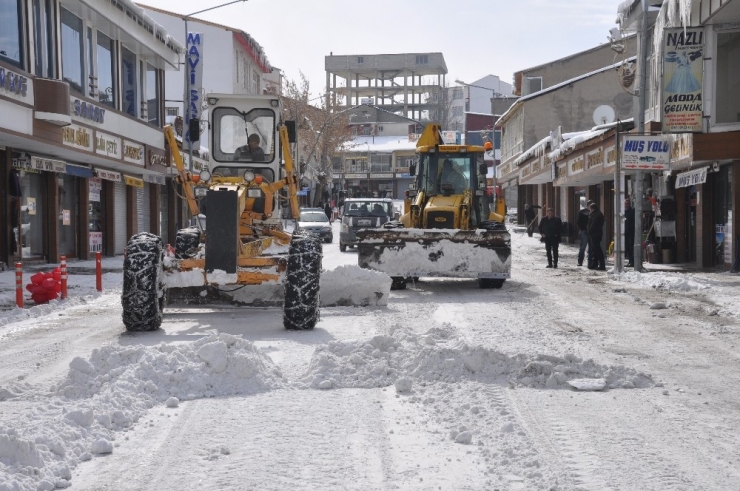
(290, 125)
(483, 169)
(194, 130)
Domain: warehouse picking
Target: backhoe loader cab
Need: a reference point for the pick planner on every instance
(450, 226)
(245, 245)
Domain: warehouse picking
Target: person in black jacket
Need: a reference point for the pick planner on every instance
(550, 228)
(530, 216)
(595, 229)
(582, 222)
(629, 232)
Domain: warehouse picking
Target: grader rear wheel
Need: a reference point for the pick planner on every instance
(301, 308)
(187, 242)
(143, 292)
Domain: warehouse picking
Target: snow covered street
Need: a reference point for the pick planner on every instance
(564, 379)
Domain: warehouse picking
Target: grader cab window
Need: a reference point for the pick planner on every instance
(243, 137)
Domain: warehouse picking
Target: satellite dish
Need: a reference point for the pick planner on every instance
(603, 115)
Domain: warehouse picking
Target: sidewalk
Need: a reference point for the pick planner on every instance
(81, 278)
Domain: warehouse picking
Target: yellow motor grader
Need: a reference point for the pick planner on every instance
(243, 243)
(451, 227)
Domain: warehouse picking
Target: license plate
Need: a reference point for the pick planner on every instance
(364, 223)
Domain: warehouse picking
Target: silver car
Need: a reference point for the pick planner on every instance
(316, 222)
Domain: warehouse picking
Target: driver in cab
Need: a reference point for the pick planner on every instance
(250, 151)
(451, 176)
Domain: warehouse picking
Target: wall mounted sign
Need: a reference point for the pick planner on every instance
(692, 178)
(683, 79)
(12, 84)
(48, 165)
(108, 175)
(194, 72)
(645, 153)
(77, 137)
(107, 145)
(133, 153)
(87, 110)
(133, 181)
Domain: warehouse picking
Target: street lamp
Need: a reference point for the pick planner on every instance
(188, 96)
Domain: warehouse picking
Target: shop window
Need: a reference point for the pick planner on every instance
(128, 77)
(106, 70)
(68, 214)
(152, 95)
(43, 21)
(73, 51)
(32, 210)
(728, 77)
(11, 44)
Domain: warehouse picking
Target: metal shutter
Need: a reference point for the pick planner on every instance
(119, 203)
(163, 215)
(143, 213)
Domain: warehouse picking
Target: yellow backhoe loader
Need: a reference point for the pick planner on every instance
(450, 227)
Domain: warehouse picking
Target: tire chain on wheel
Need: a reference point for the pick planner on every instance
(142, 288)
(301, 308)
(187, 242)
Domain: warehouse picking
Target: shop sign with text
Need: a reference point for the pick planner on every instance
(48, 165)
(108, 175)
(133, 153)
(96, 241)
(645, 153)
(13, 85)
(107, 145)
(692, 178)
(133, 181)
(683, 79)
(79, 137)
(87, 110)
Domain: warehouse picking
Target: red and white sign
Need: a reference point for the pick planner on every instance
(96, 241)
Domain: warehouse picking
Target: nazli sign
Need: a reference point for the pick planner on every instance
(646, 153)
(692, 178)
(683, 65)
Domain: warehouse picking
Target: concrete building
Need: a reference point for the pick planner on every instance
(81, 146)
(475, 97)
(409, 84)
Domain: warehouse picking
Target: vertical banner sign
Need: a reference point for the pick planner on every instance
(194, 72)
(683, 70)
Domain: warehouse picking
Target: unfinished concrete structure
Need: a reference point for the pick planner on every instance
(409, 84)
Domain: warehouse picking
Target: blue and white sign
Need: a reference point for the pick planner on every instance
(648, 153)
(194, 75)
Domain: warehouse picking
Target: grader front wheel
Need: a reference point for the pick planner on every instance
(143, 293)
(301, 308)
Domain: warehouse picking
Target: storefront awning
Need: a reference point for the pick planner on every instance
(79, 171)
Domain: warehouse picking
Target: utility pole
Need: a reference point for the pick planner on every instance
(640, 125)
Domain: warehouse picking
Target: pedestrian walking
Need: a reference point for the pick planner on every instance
(629, 232)
(550, 228)
(582, 222)
(595, 229)
(530, 216)
(327, 210)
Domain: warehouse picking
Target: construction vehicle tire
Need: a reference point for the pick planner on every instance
(398, 283)
(490, 283)
(187, 242)
(143, 291)
(301, 308)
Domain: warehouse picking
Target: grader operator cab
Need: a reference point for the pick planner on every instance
(450, 226)
(244, 244)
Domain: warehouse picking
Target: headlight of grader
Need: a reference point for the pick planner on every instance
(205, 176)
(249, 176)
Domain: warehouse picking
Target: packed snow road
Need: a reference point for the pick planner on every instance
(447, 387)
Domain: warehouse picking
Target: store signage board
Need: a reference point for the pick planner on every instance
(95, 185)
(108, 175)
(683, 80)
(133, 153)
(692, 177)
(78, 137)
(194, 72)
(133, 181)
(48, 165)
(645, 153)
(107, 145)
(96, 241)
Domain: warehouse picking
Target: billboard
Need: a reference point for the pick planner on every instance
(194, 74)
(646, 153)
(683, 70)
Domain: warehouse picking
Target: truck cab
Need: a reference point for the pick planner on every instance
(362, 213)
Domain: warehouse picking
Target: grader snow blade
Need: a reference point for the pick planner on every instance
(407, 253)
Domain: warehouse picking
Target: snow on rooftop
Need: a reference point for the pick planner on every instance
(379, 144)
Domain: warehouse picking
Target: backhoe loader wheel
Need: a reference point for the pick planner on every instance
(490, 283)
(301, 310)
(143, 291)
(187, 242)
(398, 283)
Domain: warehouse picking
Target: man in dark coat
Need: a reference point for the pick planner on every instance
(550, 228)
(595, 229)
(629, 232)
(529, 216)
(327, 210)
(582, 222)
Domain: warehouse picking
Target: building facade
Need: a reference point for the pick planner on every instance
(81, 145)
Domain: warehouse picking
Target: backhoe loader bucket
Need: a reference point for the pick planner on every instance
(410, 252)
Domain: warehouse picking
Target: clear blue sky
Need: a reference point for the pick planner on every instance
(477, 37)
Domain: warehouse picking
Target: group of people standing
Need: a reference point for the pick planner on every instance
(590, 223)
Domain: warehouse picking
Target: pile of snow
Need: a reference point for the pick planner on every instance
(352, 285)
(110, 392)
(383, 359)
(666, 281)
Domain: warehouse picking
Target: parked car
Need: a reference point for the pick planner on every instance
(315, 221)
(358, 213)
